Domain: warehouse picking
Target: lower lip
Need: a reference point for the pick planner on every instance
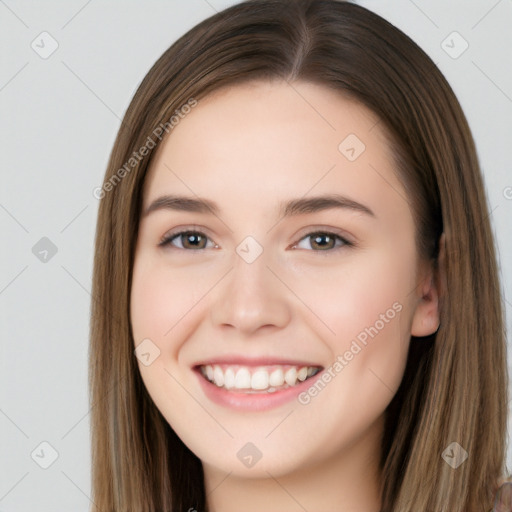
(252, 401)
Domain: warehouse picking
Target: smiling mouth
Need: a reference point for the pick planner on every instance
(259, 379)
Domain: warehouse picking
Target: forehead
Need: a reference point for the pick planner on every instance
(275, 139)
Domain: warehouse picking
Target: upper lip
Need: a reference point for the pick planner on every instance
(254, 361)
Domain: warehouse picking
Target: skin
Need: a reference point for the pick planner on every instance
(248, 148)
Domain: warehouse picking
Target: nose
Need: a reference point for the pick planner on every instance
(250, 297)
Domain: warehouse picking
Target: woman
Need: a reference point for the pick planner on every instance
(296, 303)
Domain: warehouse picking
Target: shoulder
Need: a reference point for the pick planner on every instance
(503, 496)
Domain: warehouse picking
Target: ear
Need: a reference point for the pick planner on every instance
(426, 318)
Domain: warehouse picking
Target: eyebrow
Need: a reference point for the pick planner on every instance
(287, 209)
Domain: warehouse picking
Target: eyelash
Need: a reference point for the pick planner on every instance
(166, 241)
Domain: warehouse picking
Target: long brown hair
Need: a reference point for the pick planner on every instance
(455, 384)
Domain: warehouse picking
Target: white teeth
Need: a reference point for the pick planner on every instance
(243, 379)
(218, 376)
(229, 378)
(302, 374)
(269, 378)
(291, 376)
(259, 379)
(276, 378)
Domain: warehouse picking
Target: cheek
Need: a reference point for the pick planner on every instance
(365, 310)
(150, 299)
(353, 295)
(161, 310)
(162, 300)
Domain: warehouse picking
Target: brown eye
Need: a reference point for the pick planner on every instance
(194, 240)
(323, 241)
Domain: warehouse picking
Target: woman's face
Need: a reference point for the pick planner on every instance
(307, 260)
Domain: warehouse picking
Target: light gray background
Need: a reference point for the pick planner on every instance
(59, 117)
